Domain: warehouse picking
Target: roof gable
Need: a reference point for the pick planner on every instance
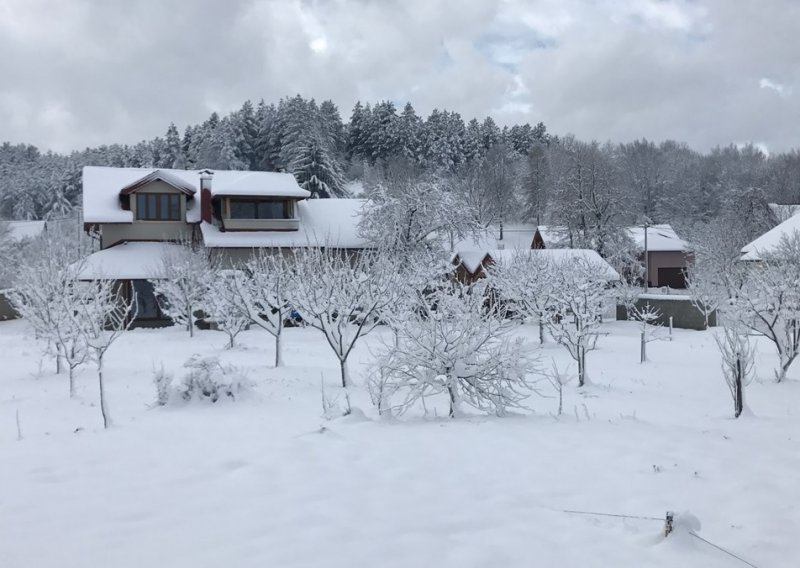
(159, 175)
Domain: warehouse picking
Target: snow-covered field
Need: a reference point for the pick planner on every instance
(266, 481)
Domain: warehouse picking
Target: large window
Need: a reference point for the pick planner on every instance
(158, 207)
(241, 209)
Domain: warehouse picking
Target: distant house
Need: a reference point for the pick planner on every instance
(136, 214)
(668, 255)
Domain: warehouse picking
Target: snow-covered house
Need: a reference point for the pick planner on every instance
(137, 213)
(668, 255)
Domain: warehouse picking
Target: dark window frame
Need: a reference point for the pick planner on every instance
(256, 212)
(158, 207)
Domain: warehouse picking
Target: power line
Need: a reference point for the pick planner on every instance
(728, 552)
(612, 515)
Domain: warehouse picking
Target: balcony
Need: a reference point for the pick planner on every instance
(261, 224)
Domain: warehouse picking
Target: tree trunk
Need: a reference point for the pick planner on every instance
(278, 355)
(738, 392)
(581, 367)
(58, 359)
(643, 355)
(452, 392)
(103, 407)
(343, 368)
(541, 331)
(71, 381)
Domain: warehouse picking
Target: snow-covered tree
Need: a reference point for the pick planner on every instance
(524, 282)
(421, 214)
(579, 294)
(453, 343)
(317, 169)
(737, 359)
(343, 295)
(45, 294)
(770, 301)
(102, 315)
(262, 289)
(184, 276)
(225, 306)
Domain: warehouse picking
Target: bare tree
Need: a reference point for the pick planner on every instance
(452, 343)
(45, 296)
(263, 290)
(524, 281)
(647, 316)
(182, 282)
(343, 295)
(579, 294)
(737, 359)
(224, 305)
(102, 315)
(770, 301)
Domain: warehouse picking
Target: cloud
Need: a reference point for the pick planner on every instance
(782, 90)
(84, 73)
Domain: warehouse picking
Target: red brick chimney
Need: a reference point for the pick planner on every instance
(205, 195)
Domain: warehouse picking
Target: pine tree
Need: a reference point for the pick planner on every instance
(317, 171)
(173, 157)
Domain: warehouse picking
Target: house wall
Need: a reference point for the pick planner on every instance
(665, 259)
(113, 233)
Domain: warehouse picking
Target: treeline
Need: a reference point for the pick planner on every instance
(518, 173)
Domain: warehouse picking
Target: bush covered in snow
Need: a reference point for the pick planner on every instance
(209, 379)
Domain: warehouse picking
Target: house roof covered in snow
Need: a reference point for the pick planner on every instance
(768, 243)
(19, 230)
(660, 238)
(559, 257)
(512, 236)
(334, 222)
(102, 187)
(127, 261)
(476, 260)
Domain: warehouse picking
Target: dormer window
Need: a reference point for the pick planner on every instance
(158, 207)
(260, 209)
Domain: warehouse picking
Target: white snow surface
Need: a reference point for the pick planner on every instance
(768, 243)
(321, 221)
(127, 261)
(102, 185)
(266, 481)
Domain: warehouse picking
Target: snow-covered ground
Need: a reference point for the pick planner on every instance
(265, 481)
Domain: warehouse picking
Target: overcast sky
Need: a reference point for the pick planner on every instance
(76, 73)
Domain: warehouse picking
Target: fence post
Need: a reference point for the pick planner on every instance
(670, 328)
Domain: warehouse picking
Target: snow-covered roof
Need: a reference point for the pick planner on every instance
(660, 238)
(473, 259)
(127, 261)
(321, 221)
(514, 236)
(559, 257)
(257, 184)
(768, 242)
(102, 187)
(19, 230)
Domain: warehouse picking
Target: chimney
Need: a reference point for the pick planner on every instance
(205, 195)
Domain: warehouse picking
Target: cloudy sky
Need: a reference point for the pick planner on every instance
(78, 73)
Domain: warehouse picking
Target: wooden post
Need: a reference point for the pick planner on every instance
(670, 328)
(643, 352)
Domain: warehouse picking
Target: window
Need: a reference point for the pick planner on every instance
(158, 207)
(240, 209)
